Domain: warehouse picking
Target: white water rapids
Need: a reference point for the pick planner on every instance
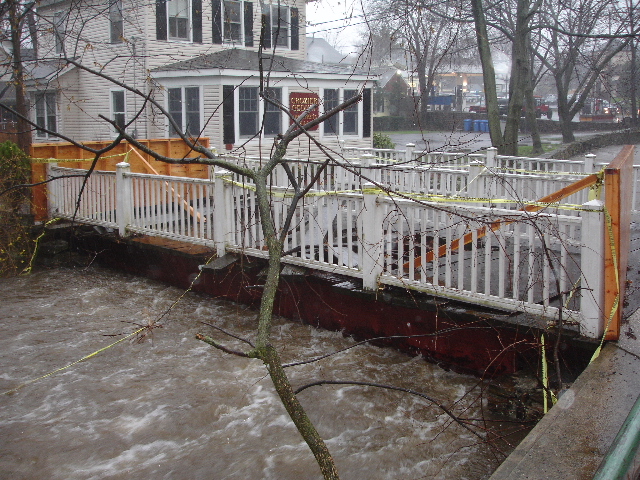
(176, 408)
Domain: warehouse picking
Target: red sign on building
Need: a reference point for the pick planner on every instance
(299, 102)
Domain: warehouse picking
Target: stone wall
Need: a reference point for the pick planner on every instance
(581, 147)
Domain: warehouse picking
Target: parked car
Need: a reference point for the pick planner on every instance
(477, 109)
(542, 108)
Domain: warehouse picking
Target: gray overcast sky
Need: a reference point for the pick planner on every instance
(330, 19)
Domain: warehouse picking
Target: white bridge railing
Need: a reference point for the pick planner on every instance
(541, 263)
(495, 164)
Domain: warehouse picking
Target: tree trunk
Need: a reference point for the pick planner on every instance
(424, 94)
(520, 77)
(267, 353)
(633, 74)
(24, 130)
(531, 120)
(564, 115)
(488, 75)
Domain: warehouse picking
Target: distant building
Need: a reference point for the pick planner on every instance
(320, 51)
(392, 95)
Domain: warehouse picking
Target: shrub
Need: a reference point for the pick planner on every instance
(15, 169)
(380, 140)
(16, 246)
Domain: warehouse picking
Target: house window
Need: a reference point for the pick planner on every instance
(116, 21)
(251, 110)
(347, 122)
(248, 111)
(272, 114)
(179, 20)
(232, 21)
(118, 112)
(350, 115)
(46, 117)
(59, 31)
(331, 100)
(184, 108)
(178, 14)
(277, 21)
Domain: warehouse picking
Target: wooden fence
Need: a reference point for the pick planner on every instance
(71, 156)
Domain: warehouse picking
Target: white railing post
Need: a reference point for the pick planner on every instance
(409, 152)
(124, 197)
(592, 266)
(589, 161)
(490, 187)
(52, 188)
(366, 159)
(221, 230)
(475, 180)
(371, 238)
(490, 161)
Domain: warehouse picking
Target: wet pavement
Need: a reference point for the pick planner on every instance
(468, 141)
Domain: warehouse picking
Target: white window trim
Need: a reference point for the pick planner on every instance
(341, 100)
(239, 42)
(112, 112)
(236, 114)
(119, 5)
(273, 7)
(39, 134)
(59, 31)
(189, 38)
(183, 101)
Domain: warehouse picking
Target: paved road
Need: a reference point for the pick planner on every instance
(474, 141)
(470, 141)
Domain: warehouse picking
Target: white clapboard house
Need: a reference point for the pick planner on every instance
(201, 59)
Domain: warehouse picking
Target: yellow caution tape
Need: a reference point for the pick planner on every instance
(616, 302)
(418, 196)
(62, 160)
(86, 357)
(539, 172)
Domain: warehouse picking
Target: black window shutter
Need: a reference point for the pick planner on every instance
(248, 24)
(161, 19)
(366, 112)
(228, 115)
(295, 30)
(196, 14)
(216, 6)
(265, 31)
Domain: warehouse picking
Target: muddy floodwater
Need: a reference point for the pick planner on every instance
(172, 407)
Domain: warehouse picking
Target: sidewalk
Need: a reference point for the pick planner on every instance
(572, 439)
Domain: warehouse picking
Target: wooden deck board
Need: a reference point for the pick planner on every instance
(184, 247)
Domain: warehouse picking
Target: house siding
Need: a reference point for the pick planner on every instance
(84, 96)
(87, 38)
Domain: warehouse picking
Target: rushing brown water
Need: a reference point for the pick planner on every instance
(175, 408)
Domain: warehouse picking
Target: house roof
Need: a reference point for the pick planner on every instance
(237, 59)
(319, 50)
